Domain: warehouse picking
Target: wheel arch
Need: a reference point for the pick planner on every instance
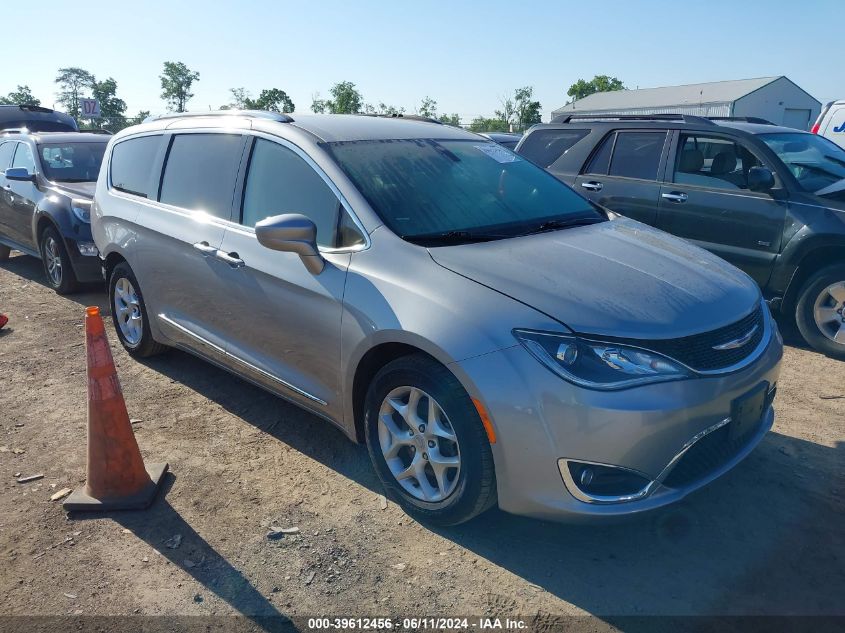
(814, 260)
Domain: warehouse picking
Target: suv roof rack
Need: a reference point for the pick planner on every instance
(14, 130)
(746, 119)
(252, 114)
(685, 118)
(402, 115)
(29, 107)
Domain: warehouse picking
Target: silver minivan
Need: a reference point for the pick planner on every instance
(491, 335)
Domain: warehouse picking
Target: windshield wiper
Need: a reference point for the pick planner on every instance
(563, 223)
(454, 237)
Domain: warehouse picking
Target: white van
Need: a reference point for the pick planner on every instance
(831, 122)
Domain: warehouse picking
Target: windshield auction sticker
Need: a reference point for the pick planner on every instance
(498, 153)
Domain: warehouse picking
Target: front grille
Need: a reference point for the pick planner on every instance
(697, 351)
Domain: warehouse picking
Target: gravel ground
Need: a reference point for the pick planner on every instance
(768, 538)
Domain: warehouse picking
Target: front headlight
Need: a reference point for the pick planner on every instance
(599, 365)
(81, 209)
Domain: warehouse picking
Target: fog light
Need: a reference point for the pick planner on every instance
(88, 249)
(586, 476)
(567, 353)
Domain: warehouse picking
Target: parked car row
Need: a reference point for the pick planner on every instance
(768, 199)
(493, 336)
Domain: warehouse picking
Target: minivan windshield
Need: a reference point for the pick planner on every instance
(435, 191)
(817, 163)
(71, 162)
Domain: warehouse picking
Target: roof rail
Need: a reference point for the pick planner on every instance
(746, 119)
(401, 115)
(684, 118)
(14, 130)
(252, 114)
(97, 131)
(30, 107)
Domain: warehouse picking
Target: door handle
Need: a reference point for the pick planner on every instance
(230, 258)
(675, 196)
(205, 249)
(592, 186)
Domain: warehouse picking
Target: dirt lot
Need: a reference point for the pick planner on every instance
(768, 538)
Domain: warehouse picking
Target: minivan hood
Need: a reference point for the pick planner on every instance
(78, 189)
(618, 278)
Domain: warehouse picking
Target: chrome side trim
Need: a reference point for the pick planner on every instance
(575, 491)
(246, 364)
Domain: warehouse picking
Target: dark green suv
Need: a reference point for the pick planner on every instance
(769, 199)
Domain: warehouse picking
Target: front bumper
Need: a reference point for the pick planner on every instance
(88, 267)
(541, 419)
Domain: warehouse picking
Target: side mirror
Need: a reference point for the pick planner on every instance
(19, 173)
(760, 179)
(294, 233)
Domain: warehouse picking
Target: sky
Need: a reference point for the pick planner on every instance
(468, 56)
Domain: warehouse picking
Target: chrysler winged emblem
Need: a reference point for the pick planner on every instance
(737, 342)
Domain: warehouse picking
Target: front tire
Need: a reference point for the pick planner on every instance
(427, 443)
(820, 312)
(129, 314)
(57, 266)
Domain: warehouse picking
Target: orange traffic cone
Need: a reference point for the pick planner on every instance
(117, 477)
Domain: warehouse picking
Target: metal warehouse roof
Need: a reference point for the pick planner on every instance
(690, 94)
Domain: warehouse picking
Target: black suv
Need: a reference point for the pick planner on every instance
(47, 181)
(769, 199)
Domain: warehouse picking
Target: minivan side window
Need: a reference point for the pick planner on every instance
(6, 150)
(23, 158)
(131, 166)
(201, 171)
(544, 147)
(279, 181)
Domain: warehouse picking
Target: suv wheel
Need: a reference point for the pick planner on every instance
(57, 266)
(820, 314)
(427, 442)
(130, 314)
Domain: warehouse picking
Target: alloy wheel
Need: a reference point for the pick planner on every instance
(829, 312)
(53, 260)
(419, 444)
(128, 311)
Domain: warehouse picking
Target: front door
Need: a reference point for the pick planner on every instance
(20, 198)
(707, 201)
(623, 173)
(291, 343)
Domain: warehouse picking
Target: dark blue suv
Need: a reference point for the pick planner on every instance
(47, 181)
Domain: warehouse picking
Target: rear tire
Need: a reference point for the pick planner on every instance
(57, 265)
(461, 491)
(820, 312)
(129, 314)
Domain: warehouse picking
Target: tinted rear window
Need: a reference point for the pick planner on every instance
(201, 171)
(544, 147)
(132, 164)
(637, 154)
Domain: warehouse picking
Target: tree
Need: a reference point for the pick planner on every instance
(506, 114)
(346, 100)
(428, 108)
(72, 82)
(274, 100)
(21, 96)
(241, 101)
(526, 110)
(483, 124)
(112, 109)
(383, 109)
(599, 83)
(176, 82)
(451, 119)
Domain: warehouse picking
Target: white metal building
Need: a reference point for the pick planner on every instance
(776, 99)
